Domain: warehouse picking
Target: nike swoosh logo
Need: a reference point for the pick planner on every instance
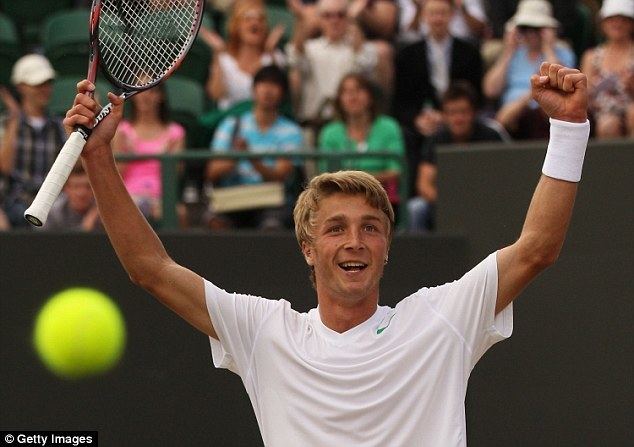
(381, 329)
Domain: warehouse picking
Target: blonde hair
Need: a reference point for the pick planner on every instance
(346, 182)
(240, 7)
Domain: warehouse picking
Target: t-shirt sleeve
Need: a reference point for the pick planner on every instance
(468, 305)
(291, 138)
(222, 138)
(237, 320)
(327, 142)
(394, 143)
(176, 131)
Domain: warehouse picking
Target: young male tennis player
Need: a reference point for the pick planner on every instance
(351, 372)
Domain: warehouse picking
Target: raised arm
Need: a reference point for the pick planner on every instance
(562, 94)
(137, 246)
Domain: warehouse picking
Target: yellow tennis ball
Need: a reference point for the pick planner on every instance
(79, 332)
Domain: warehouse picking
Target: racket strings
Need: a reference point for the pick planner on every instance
(141, 40)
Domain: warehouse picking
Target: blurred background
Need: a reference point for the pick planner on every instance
(458, 146)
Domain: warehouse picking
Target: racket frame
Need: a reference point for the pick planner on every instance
(37, 213)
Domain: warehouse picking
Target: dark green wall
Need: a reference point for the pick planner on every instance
(166, 391)
(563, 379)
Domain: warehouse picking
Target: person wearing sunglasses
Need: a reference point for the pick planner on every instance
(249, 46)
(529, 40)
(610, 71)
(317, 65)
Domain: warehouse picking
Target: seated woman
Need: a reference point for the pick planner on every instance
(148, 131)
(249, 47)
(610, 71)
(361, 129)
(530, 39)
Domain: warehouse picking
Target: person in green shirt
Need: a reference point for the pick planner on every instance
(359, 128)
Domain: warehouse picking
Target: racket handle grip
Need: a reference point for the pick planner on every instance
(37, 213)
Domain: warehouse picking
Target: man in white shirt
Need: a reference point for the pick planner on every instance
(351, 372)
(317, 65)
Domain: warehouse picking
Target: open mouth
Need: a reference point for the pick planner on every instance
(352, 266)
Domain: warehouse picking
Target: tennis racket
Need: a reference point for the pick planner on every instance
(137, 44)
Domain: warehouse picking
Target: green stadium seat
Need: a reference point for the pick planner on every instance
(196, 63)
(9, 48)
(280, 15)
(65, 40)
(29, 15)
(64, 91)
(582, 34)
(277, 15)
(186, 101)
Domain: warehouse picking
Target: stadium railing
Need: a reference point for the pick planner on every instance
(170, 176)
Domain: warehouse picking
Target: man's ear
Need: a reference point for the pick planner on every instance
(307, 250)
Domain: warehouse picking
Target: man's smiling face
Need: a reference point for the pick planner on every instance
(349, 249)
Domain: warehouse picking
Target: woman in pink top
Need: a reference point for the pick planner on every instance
(147, 132)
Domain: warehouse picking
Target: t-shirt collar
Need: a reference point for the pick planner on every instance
(351, 333)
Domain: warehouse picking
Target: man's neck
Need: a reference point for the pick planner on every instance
(463, 138)
(439, 38)
(341, 317)
(264, 118)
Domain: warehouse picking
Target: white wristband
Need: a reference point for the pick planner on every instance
(566, 150)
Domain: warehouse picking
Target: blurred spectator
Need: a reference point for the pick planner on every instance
(249, 47)
(219, 6)
(575, 16)
(361, 129)
(424, 70)
(31, 138)
(610, 71)
(75, 208)
(499, 13)
(4, 221)
(459, 107)
(469, 21)
(147, 132)
(306, 17)
(378, 18)
(262, 129)
(319, 64)
(530, 39)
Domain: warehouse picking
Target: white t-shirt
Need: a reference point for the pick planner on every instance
(323, 65)
(397, 379)
(458, 26)
(239, 83)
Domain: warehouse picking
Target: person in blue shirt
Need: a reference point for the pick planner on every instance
(529, 40)
(261, 129)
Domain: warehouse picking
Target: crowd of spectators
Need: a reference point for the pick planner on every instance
(352, 76)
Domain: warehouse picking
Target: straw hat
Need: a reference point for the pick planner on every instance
(534, 13)
(612, 8)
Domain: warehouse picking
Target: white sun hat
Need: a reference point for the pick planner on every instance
(613, 8)
(534, 13)
(32, 69)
